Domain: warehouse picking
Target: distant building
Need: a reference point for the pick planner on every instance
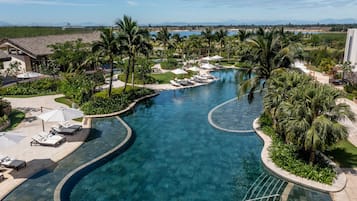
(31, 52)
(351, 48)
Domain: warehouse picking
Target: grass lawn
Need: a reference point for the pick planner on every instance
(64, 100)
(68, 102)
(164, 78)
(15, 118)
(345, 154)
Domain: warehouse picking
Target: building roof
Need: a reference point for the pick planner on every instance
(4, 56)
(38, 46)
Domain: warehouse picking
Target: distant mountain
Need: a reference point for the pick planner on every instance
(263, 22)
(227, 22)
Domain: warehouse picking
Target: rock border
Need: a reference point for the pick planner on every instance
(337, 186)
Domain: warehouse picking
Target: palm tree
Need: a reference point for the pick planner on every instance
(208, 35)
(314, 116)
(278, 90)
(220, 37)
(164, 37)
(243, 35)
(268, 54)
(107, 48)
(304, 112)
(134, 41)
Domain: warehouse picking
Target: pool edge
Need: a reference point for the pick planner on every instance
(337, 186)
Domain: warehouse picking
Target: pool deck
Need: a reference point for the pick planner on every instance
(42, 157)
(36, 157)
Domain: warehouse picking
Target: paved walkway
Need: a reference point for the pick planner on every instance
(40, 157)
(349, 193)
(37, 157)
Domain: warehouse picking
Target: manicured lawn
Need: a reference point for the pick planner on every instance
(164, 78)
(64, 100)
(15, 118)
(345, 154)
(68, 102)
(115, 91)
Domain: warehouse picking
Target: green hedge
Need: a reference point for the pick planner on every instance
(288, 158)
(104, 105)
(37, 87)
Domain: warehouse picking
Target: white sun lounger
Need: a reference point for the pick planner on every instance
(174, 83)
(47, 139)
(68, 124)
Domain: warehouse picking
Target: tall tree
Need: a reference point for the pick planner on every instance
(107, 48)
(164, 37)
(243, 35)
(209, 36)
(304, 112)
(268, 54)
(220, 37)
(314, 118)
(134, 40)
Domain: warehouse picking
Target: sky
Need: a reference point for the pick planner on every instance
(106, 12)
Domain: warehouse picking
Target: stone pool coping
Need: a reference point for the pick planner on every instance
(124, 110)
(337, 186)
(58, 194)
(58, 191)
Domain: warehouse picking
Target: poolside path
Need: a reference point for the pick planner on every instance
(349, 193)
(37, 157)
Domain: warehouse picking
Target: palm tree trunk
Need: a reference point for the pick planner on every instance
(312, 156)
(127, 76)
(132, 72)
(111, 78)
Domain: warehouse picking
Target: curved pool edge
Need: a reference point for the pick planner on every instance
(338, 185)
(79, 172)
(86, 125)
(210, 121)
(124, 110)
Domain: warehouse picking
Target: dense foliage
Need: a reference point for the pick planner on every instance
(38, 87)
(70, 55)
(80, 86)
(5, 111)
(305, 113)
(102, 104)
(290, 159)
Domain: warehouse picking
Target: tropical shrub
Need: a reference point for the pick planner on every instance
(38, 87)
(102, 104)
(288, 157)
(79, 86)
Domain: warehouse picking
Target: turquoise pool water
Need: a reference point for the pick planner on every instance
(176, 155)
(107, 133)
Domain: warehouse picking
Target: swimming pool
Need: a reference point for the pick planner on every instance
(176, 154)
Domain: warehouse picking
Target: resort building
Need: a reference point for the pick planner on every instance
(351, 48)
(29, 53)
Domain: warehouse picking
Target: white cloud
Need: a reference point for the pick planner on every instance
(132, 3)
